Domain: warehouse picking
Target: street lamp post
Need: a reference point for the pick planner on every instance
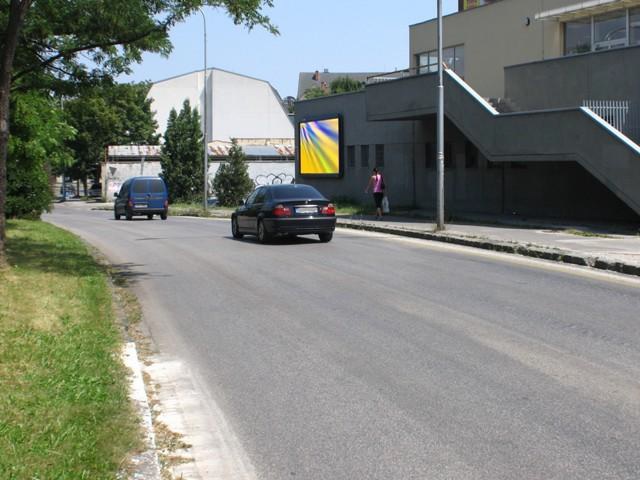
(204, 120)
(440, 122)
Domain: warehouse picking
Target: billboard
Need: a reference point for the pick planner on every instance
(319, 147)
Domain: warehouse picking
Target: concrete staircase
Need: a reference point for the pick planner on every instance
(574, 134)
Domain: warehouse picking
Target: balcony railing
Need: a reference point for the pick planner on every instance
(622, 115)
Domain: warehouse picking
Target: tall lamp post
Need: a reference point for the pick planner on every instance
(204, 120)
(440, 153)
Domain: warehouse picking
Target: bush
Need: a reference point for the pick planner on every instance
(232, 182)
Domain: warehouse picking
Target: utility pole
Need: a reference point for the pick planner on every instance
(440, 122)
(204, 120)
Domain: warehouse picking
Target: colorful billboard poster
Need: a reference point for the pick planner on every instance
(319, 147)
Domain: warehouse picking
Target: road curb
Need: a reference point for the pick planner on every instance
(535, 251)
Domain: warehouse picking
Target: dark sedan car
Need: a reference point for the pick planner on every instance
(284, 210)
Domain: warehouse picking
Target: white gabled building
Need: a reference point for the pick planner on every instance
(237, 106)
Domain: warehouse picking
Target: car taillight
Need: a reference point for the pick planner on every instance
(130, 202)
(281, 211)
(166, 203)
(329, 210)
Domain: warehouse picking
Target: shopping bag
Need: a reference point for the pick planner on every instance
(385, 204)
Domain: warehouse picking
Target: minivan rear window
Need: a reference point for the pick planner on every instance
(156, 186)
(140, 186)
(286, 192)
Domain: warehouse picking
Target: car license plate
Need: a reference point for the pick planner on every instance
(141, 205)
(306, 210)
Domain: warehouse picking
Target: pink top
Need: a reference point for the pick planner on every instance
(377, 184)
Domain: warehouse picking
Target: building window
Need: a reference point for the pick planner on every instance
(351, 156)
(577, 36)
(429, 155)
(470, 155)
(601, 32)
(364, 155)
(453, 57)
(379, 155)
(610, 30)
(634, 26)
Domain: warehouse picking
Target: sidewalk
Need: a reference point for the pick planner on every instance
(601, 247)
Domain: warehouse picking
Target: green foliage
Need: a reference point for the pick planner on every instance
(315, 92)
(67, 42)
(182, 155)
(36, 146)
(344, 85)
(64, 406)
(108, 114)
(339, 85)
(232, 182)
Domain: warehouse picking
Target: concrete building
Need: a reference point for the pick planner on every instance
(238, 106)
(266, 164)
(541, 102)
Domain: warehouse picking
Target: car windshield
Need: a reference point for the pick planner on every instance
(287, 192)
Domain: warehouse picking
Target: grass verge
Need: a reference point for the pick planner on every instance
(64, 406)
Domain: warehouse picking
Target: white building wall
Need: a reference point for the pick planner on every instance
(114, 174)
(238, 106)
(244, 107)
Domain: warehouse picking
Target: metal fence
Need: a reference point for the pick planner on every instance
(622, 115)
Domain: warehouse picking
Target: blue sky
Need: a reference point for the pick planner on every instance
(340, 35)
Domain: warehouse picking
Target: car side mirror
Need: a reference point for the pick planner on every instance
(241, 203)
(115, 195)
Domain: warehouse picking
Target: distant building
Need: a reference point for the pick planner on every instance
(267, 163)
(238, 106)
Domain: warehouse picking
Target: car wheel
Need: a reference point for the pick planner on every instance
(163, 215)
(128, 215)
(325, 237)
(150, 217)
(116, 215)
(235, 231)
(263, 235)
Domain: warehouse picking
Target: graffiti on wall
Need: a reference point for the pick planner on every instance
(273, 179)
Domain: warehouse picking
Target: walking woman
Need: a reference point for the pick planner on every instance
(376, 184)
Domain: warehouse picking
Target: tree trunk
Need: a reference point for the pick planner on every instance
(17, 13)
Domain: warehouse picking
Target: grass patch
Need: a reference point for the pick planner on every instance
(64, 406)
(582, 233)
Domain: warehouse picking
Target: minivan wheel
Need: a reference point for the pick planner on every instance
(325, 237)
(263, 236)
(128, 215)
(150, 216)
(116, 214)
(235, 231)
(163, 215)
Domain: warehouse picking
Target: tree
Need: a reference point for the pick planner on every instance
(345, 85)
(36, 146)
(232, 182)
(108, 114)
(182, 154)
(54, 45)
(339, 85)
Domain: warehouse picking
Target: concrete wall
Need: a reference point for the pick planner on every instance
(567, 81)
(114, 174)
(552, 186)
(494, 36)
(238, 106)
(399, 139)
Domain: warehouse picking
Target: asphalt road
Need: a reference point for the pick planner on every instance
(377, 357)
